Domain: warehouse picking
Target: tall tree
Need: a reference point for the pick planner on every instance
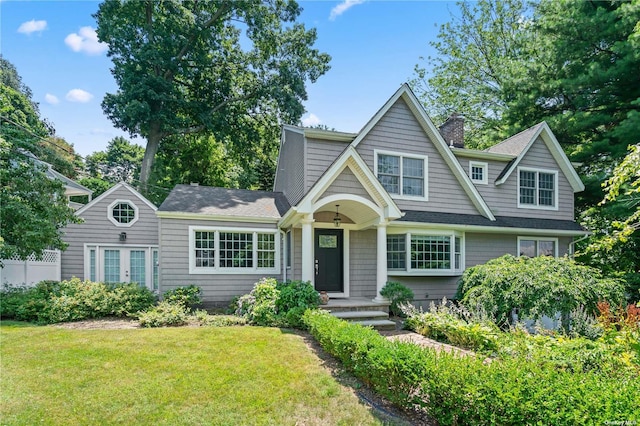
(482, 55)
(33, 208)
(120, 162)
(185, 66)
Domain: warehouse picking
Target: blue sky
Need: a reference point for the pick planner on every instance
(374, 47)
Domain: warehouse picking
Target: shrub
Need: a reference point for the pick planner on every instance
(397, 294)
(163, 315)
(275, 304)
(187, 296)
(465, 390)
(12, 298)
(535, 286)
(50, 302)
(204, 319)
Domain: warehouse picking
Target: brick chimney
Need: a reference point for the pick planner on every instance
(452, 130)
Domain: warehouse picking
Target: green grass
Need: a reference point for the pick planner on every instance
(168, 376)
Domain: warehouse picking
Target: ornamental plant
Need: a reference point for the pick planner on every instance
(398, 294)
(535, 287)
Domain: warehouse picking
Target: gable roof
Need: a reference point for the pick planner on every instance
(111, 191)
(520, 144)
(72, 187)
(434, 135)
(349, 158)
(216, 202)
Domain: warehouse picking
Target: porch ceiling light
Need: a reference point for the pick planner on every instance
(337, 219)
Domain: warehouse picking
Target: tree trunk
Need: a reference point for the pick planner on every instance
(153, 142)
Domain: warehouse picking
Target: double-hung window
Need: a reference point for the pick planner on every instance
(214, 250)
(401, 174)
(532, 246)
(537, 189)
(425, 254)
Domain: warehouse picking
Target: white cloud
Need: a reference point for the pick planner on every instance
(343, 7)
(78, 95)
(85, 41)
(32, 26)
(311, 120)
(51, 99)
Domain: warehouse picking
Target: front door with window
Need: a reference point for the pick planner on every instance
(329, 260)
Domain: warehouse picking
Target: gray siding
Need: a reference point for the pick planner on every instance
(503, 199)
(399, 131)
(319, 156)
(362, 257)
(290, 175)
(297, 254)
(174, 262)
(98, 229)
(347, 183)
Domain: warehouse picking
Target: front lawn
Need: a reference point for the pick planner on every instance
(208, 375)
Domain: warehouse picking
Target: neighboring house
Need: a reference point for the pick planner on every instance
(397, 201)
(31, 271)
(117, 242)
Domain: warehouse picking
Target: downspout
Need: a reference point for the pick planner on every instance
(572, 245)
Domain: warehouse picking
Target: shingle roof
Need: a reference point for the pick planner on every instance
(516, 143)
(500, 222)
(225, 202)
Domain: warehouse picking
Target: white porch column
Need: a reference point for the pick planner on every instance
(307, 249)
(381, 272)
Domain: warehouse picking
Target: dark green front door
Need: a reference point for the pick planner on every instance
(329, 260)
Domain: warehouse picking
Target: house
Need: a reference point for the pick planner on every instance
(117, 241)
(399, 201)
(16, 271)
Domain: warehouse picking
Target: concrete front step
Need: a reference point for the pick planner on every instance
(380, 325)
(360, 315)
(351, 305)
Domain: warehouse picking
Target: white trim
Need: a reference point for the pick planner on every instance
(537, 239)
(217, 269)
(220, 218)
(402, 156)
(485, 172)
(112, 190)
(481, 155)
(113, 219)
(536, 206)
(556, 151)
(374, 187)
(485, 229)
(434, 135)
(100, 247)
(448, 232)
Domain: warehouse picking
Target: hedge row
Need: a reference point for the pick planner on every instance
(465, 390)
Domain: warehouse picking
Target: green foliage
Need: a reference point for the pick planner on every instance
(398, 294)
(238, 68)
(34, 209)
(535, 286)
(165, 314)
(119, 162)
(187, 296)
(51, 301)
(465, 390)
(271, 303)
(206, 320)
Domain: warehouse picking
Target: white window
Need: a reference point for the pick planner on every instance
(111, 263)
(425, 254)
(537, 189)
(533, 246)
(401, 174)
(122, 213)
(219, 250)
(478, 172)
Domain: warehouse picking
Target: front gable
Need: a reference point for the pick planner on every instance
(402, 131)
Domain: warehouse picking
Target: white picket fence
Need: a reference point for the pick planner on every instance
(31, 271)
